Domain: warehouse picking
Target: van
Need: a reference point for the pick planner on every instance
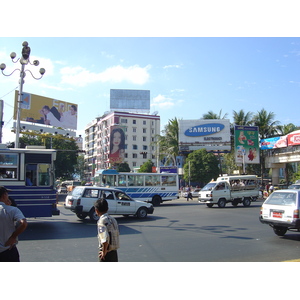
(82, 198)
(281, 211)
(235, 189)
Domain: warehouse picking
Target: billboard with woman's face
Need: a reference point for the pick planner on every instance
(117, 145)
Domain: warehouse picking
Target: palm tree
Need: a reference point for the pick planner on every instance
(168, 143)
(286, 129)
(267, 128)
(242, 118)
(265, 122)
(212, 115)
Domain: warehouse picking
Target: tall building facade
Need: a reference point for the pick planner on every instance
(119, 137)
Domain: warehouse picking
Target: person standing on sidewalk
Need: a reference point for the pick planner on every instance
(12, 223)
(108, 233)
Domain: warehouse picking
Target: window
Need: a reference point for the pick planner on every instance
(144, 139)
(133, 121)
(122, 180)
(134, 129)
(144, 122)
(91, 193)
(144, 130)
(134, 147)
(124, 121)
(134, 137)
(8, 166)
(134, 155)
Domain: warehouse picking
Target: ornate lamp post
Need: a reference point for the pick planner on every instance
(24, 60)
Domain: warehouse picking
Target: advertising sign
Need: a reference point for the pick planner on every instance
(207, 134)
(246, 144)
(48, 111)
(294, 138)
(272, 143)
(117, 145)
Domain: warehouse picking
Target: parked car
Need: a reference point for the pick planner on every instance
(294, 186)
(281, 211)
(195, 193)
(82, 198)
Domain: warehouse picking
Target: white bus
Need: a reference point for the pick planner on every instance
(29, 174)
(149, 187)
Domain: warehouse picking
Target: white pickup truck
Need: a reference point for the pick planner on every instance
(234, 189)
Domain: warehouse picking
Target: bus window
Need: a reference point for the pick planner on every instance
(43, 174)
(135, 180)
(156, 180)
(8, 166)
(109, 180)
(31, 174)
(121, 180)
(169, 180)
(148, 180)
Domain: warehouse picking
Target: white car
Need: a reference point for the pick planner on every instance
(82, 198)
(195, 193)
(281, 211)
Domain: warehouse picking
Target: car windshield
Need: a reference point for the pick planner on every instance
(209, 186)
(77, 191)
(280, 198)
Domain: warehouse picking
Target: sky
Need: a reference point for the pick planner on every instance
(222, 69)
(187, 77)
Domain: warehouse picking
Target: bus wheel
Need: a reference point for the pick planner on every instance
(142, 212)
(93, 216)
(156, 200)
(246, 202)
(222, 203)
(81, 216)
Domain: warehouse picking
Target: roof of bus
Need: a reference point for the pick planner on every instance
(236, 177)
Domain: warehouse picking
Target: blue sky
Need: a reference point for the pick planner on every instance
(186, 76)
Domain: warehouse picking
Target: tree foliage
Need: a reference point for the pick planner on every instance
(146, 167)
(201, 166)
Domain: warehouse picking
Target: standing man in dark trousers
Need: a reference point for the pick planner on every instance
(108, 233)
(12, 223)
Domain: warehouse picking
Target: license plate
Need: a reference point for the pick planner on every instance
(277, 214)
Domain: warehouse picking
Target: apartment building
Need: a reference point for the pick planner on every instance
(120, 136)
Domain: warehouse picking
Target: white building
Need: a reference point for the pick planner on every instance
(138, 134)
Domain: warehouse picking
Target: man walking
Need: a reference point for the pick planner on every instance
(12, 223)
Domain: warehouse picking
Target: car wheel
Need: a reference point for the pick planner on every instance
(93, 216)
(235, 203)
(81, 216)
(142, 212)
(246, 202)
(222, 203)
(209, 205)
(280, 231)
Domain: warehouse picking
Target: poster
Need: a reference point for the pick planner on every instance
(246, 144)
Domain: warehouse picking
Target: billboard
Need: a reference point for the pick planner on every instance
(130, 100)
(48, 111)
(294, 138)
(117, 145)
(208, 134)
(246, 144)
(272, 143)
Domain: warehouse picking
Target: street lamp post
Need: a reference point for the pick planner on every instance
(24, 60)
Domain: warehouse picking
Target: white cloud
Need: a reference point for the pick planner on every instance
(171, 66)
(162, 101)
(80, 76)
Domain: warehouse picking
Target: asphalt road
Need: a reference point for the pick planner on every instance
(178, 231)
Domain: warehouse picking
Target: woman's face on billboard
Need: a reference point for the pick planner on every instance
(117, 138)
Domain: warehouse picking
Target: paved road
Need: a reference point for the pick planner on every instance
(178, 231)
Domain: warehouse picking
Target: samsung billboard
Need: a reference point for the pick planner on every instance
(212, 135)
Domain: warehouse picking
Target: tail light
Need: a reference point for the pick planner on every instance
(296, 214)
(78, 201)
(261, 210)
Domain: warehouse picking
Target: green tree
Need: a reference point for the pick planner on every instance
(146, 167)
(167, 144)
(212, 115)
(123, 167)
(201, 166)
(242, 118)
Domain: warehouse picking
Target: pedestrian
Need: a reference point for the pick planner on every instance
(271, 188)
(188, 193)
(12, 223)
(108, 233)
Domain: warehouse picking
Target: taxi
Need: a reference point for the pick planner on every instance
(81, 201)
